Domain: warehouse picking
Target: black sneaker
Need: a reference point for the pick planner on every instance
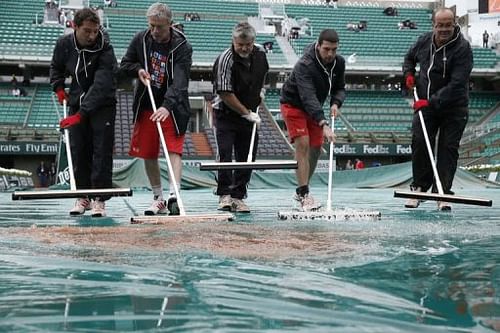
(172, 206)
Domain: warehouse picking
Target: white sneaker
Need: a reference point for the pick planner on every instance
(225, 202)
(443, 206)
(240, 206)
(307, 202)
(159, 206)
(81, 205)
(98, 209)
(414, 203)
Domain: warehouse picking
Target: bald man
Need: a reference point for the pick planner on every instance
(445, 59)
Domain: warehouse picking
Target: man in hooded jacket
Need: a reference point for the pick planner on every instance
(319, 73)
(445, 59)
(160, 56)
(87, 56)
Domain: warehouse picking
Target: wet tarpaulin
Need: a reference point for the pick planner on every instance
(133, 175)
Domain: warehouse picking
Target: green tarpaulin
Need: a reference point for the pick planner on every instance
(396, 175)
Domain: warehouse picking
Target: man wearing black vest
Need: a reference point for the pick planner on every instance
(239, 74)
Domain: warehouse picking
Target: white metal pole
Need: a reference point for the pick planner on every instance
(171, 175)
(252, 140)
(72, 182)
(429, 149)
(330, 171)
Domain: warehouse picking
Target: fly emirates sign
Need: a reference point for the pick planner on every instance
(27, 148)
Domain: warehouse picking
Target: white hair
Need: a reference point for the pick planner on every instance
(159, 10)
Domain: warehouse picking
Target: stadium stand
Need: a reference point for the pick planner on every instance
(368, 115)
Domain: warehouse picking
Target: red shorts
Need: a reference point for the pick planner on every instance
(145, 142)
(299, 123)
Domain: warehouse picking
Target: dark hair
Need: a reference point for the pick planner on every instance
(86, 14)
(441, 9)
(329, 35)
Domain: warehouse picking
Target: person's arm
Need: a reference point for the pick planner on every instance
(104, 85)
(307, 93)
(457, 85)
(337, 92)
(130, 63)
(230, 99)
(57, 67)
(181, 73)
(262, 89)
(410, 61)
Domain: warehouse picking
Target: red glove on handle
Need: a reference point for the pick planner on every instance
(61, 95)
(70, 121)
(420, 104)
(410, 81)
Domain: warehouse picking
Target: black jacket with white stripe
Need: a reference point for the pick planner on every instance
(243, 77)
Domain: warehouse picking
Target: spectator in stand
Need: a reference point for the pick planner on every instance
(62, 18)
(43, 174)
(52, 173)
(359, 164)
(492, 41)
(485, 38)
(348, 165)
(22, 92)
(13, 80)
(391, 11)
(407, 24)
(352, 26)
(363, 25)
(16, 92)
(268, 47)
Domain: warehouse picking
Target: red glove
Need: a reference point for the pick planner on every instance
(420, 104)
(70, 120)
(61, 95)
(410, 81)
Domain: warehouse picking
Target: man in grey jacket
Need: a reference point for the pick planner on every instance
(318, 74)
(160, 56)
(445, 59)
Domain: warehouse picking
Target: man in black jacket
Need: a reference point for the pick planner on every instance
(160, 56)
(445, 59)
(239, 74)
(88, 57)
(318, 74)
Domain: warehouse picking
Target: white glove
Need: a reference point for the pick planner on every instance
(252, 117)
